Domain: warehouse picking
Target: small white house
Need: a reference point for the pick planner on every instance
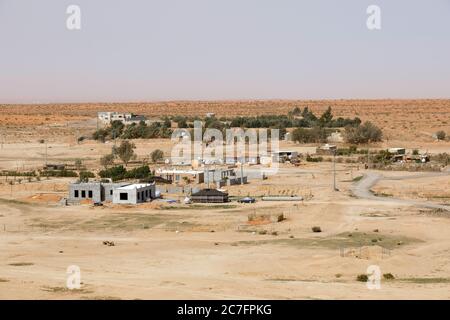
(284, 155)
(134, 193)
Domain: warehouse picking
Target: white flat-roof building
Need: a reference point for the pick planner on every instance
(134, 193)
(284, 155)
(124, 117)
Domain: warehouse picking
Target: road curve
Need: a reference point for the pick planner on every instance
(362, 190)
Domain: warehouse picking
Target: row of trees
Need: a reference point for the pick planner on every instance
(296, 118)
(365, 133)
(133, 131)
(125, 152)
(120, 173)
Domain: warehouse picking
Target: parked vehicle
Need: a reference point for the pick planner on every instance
(247, 200)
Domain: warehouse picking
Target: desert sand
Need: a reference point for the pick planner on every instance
(177, 251)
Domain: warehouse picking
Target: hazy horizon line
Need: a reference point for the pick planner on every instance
(216, 100)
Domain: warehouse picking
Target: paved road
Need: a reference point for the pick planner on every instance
(362, 190)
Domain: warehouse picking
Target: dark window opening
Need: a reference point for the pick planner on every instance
(111, 192)
(76, 194)
(123, 196)
(83, 194)
(90, 194)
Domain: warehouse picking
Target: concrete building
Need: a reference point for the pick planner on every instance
(124, 117)
(224, 177)
(95, 191)
(100, 192)
(179, 176)
(134, 193)
(217, 175)
(284, 155)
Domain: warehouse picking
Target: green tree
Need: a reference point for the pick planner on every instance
(85, 175)
(157, 155)
(100, 135)
(107, 160)
(326, 118)
(125, 151)
(365, 133)
(166, 122)
(78, 164)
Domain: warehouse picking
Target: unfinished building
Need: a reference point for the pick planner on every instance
(100, 192)
(134, 193)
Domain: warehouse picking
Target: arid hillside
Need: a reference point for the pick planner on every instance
(400, 119)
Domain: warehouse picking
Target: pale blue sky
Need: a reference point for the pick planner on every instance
(146, 50)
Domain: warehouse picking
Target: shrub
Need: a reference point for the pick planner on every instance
(442, 158)
(316, 229)
(78, 164)
(107, 160)
(59, 173)
(85, 175)
(18, 174)
(311, 159)
(100, 134)
(440, 135)
(313, 135)
(157, 155)
(138, 173)
(388, 276)
(115, 173)
(365, 133)
(362, 278)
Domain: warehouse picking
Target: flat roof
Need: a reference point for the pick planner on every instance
(135, 186)
(181, 171)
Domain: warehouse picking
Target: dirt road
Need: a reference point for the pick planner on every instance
(362, 190)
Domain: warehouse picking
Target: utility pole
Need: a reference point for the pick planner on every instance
(46, 153)
(207, 173)
(242, 173)
(334, 171)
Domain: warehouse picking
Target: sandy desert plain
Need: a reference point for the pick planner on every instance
(200, 251)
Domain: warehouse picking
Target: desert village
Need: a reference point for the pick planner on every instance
(99, 189)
